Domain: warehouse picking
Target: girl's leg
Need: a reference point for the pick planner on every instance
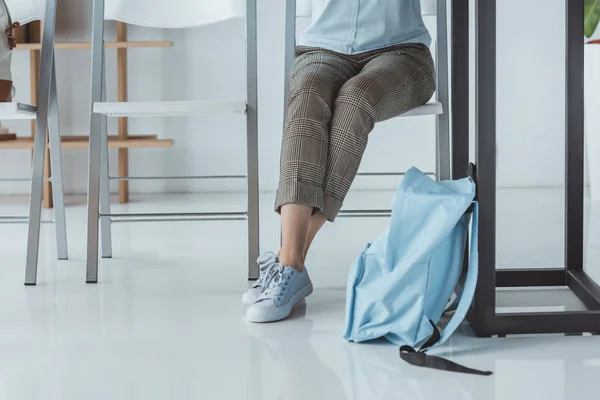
(315, 81)
(390, 84)
(294, 225)
(314, 226)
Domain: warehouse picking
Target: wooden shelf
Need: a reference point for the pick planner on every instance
(88, 45)
(81, 142)
(7, 136)
(30, 37)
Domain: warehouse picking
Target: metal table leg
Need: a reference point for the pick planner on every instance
(485, 296)
(485, 321)
(574, 144)
(460, 87)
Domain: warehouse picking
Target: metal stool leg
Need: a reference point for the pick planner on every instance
(290, 55)
(39, 147)
(105, 224)
(57, 173)
(443, 150)
(252, 140)
(290, 46)
(95, 143)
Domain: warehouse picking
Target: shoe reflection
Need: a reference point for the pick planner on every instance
(297, 372)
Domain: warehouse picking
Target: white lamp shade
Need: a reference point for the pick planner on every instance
(25, 11)
(174, 13)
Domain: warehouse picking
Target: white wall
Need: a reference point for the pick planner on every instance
(207, 63)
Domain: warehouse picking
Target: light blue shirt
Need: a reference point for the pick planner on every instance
(356, 26)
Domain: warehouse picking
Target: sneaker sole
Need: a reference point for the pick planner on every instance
(282, 312)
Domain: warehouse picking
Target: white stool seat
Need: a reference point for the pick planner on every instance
(169, 108)
(431, 108)
(173, 13)
(17, 111)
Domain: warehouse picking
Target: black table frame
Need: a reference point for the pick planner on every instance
(483, 317)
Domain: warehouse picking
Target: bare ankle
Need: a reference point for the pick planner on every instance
(291, 261)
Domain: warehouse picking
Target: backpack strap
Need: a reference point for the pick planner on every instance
(420, 358)
(468, 291)
(472, 174)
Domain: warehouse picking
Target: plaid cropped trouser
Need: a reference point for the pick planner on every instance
(334, 102)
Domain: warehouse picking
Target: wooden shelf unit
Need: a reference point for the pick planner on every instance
(31, 37)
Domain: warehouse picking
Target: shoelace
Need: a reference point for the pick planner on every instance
(276, 283)
(265, 267)
(264, 273)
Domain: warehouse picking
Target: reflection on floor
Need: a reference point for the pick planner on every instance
(166, 320)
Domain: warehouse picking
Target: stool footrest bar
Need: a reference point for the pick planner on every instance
(179, 214)
(178, 217)
(143, 178)
(365, 213)
(20, 220)
(389, 173)
(22, 179)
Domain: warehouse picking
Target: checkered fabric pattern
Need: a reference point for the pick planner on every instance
(334, 102)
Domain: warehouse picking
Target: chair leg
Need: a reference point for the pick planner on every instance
(39, 146)
(443, 169)
(35, 202)
(290, 55)
(57, 173)
(252, 140)
(289, 46)
(95, 149)
(105, 224)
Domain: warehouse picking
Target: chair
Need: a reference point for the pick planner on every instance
(47, 120)
(172, 14)
(438, 108)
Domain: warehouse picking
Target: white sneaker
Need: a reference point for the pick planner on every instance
(265, 262)
(7, 43)
(287, 287)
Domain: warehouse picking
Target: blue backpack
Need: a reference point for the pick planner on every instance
(401, 284)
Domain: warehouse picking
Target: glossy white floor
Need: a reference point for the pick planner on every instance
(166, 321)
